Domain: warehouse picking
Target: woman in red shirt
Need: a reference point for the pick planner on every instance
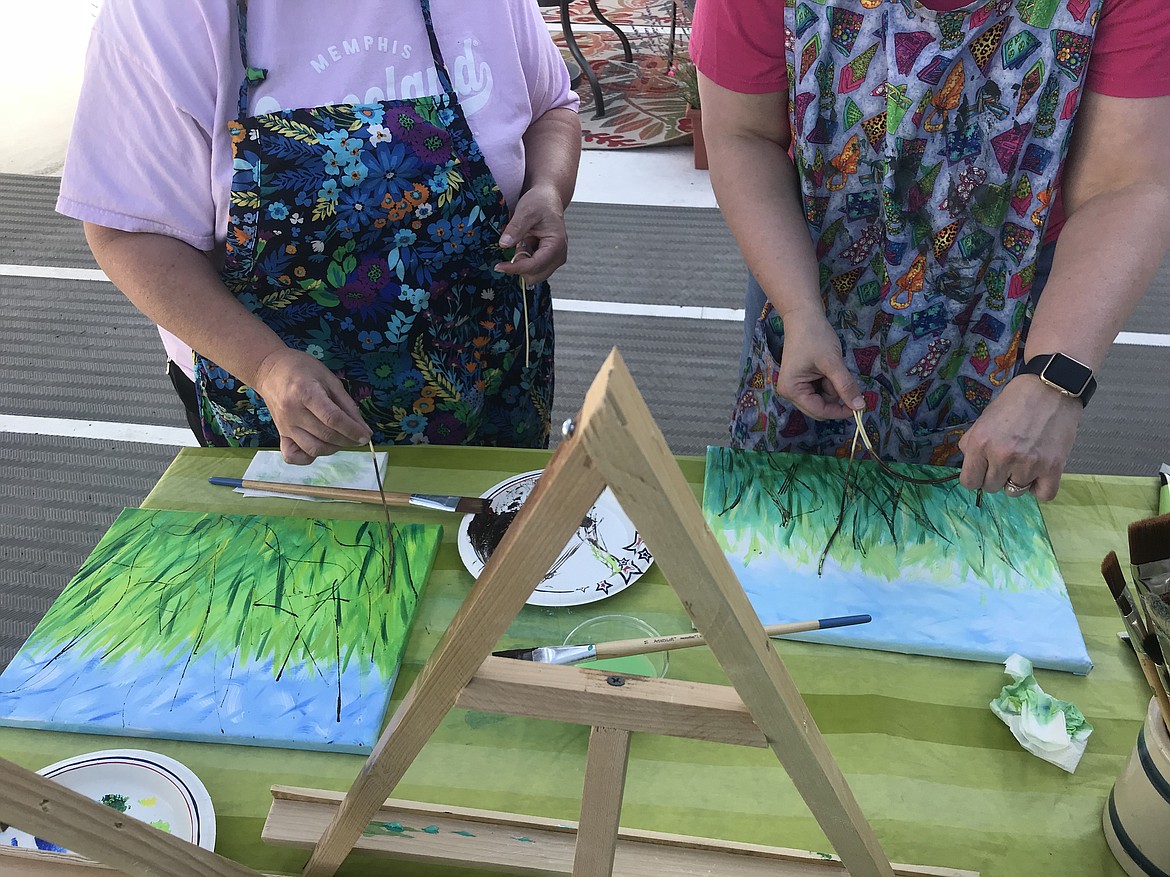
(896, 175)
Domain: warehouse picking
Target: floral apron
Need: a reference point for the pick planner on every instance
(927, 145)
(365, 235)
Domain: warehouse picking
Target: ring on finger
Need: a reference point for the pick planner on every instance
(1013, 489)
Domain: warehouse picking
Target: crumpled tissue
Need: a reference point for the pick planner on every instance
(1055, 730)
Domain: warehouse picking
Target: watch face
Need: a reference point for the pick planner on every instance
(1066, 374)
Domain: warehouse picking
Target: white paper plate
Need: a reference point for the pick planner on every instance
(599, 560)
(153, 788)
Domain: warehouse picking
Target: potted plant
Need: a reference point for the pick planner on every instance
(687, 77)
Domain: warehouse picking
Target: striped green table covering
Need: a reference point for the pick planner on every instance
(941, 779)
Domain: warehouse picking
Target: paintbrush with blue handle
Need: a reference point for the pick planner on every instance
(464, 505)
(626, 647)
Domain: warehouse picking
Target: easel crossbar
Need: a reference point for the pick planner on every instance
(576, 695)
(540, 847)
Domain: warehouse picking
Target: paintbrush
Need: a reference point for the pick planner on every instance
(386, 512)
(1145, 645)
(626, 647)
(465, 505)
(1158, 621)
(1149, 555)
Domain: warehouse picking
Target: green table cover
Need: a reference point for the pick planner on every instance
(938, 775)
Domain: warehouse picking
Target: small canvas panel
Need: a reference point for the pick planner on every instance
(940, 574)
(249, 629)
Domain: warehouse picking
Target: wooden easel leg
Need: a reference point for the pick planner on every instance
(628, 448)
(549, 517)
(601, 802)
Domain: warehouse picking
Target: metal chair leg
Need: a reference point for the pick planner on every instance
(673, 34)
(617, 30)
(579, 57)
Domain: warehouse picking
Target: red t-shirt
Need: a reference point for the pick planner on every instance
(739, 44)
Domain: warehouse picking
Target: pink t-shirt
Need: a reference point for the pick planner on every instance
(739, 44)
(150, 151)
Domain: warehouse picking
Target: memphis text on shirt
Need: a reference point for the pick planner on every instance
(471, 76)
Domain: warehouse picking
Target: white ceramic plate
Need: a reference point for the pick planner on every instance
(600, 560)
(153, 788)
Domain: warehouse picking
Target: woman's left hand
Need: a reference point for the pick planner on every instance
(537, 230)
(1024, 436)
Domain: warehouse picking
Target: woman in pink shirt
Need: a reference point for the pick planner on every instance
(897, 175)
(348, 211)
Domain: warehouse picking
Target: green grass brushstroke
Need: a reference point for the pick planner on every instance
(299, 592)
(760, 503)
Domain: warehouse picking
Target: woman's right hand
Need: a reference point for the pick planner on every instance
(177, 287)
(813, 374)
(310, 407)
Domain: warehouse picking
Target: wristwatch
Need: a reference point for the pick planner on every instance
(1063, 373)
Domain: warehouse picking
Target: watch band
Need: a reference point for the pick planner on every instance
(1064, 374)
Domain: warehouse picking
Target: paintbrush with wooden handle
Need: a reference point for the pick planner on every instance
(1144, 643)
(626, 647)
(465, 505)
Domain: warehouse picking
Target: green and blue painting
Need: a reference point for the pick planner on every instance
(249, 629)
(941, 573)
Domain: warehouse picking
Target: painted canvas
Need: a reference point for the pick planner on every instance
(940, 574)
(268, 631)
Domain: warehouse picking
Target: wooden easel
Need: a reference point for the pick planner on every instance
(615, 442)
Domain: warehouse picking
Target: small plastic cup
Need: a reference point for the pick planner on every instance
(608, 628)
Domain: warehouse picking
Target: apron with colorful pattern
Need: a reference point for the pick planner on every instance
(365, 235)
(927, 145)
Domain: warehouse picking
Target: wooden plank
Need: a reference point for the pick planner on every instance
(629, 450)
(35, 863)
(547, 520)
(601, 802)
(576, 695)
(49, 810)
(541, 847)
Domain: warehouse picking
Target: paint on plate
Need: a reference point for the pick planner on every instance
(116, 802)
(604, 555)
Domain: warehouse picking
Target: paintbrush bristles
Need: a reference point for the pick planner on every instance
(471, 506)
(1149, 540)
(1114, 577)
